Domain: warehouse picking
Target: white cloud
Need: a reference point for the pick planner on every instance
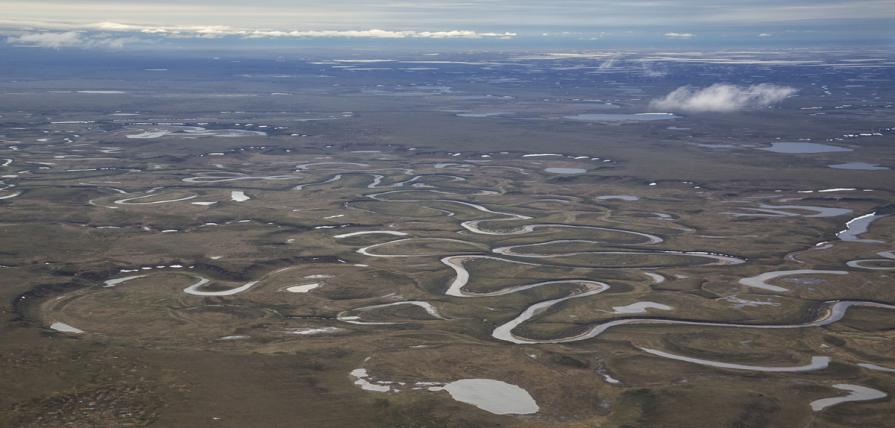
(765, 35)
(722, 98)
(84, 34)
(68, 39)
(374, 33)
(47, 40)
(679, 35)
(608, 64)
(650, 70)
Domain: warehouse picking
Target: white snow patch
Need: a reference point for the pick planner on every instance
(65, 328)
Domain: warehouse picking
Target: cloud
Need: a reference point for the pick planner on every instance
(765, 35)
(722, 97)
(535, 15)
(650, 70)
(100, 34)
(47, 40)
(679, 35)
(374, 33)
(68, 39)
(608, 64)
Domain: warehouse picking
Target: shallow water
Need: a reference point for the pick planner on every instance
(821, 211)
(875, 264)
(817, 363)
(367, 250)
(620, 118)
(148, 135)
(861, 166)
(768, 210)
(628, 198)
(11, 195)
(505, 331)
(308, 166)
(565, 170)
(353, 319)
(760, 281)
(101, 92)
(235, 337)
(740, 303)
(876, 367)
(195, 131)
(493, 396)
(194, 289)
(855, 393)
(640, 308)
(888, 262)
(315, 331)
(836, 310)
(858, 226)
(361, 379)
(116, 281)
(224, 176)
(793, 148)
(461, 279)
(719, 259)
(483, 114)
(129, 201)
(490, 395)
(370, 232)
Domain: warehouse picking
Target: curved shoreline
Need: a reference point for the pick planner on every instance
(855, 393)
(761, 280)
(194, 289)
(127, 201)
(776, 211)
(858, 226)
(366, 250)
(350, 319)
(473, 225)
(720, 259)
(836, 310)
(817, 363)
(370, 232)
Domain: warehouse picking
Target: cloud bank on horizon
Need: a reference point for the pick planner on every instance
(108, 23)
(69, 39)
(114, 35)
(673, 35)
(723, 98)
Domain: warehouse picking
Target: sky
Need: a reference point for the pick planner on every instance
(103, 24)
